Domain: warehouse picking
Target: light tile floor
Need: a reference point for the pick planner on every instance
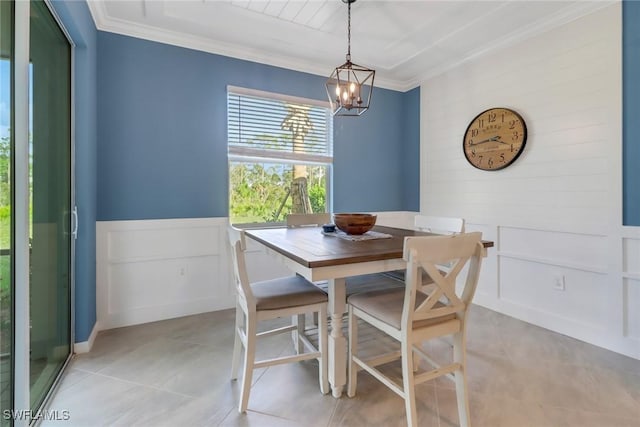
(176, 373)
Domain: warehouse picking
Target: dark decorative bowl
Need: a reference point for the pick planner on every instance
(354, 223)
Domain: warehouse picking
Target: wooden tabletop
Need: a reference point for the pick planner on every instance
(310, 248)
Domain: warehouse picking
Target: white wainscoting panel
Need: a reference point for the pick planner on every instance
(582, 251)
(158, 269)
(531, 284)
(631, 248)
(631, 278)
(261, 266)
(632, 288)
(489, 270)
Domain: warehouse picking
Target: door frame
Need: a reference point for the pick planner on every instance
(21, 349)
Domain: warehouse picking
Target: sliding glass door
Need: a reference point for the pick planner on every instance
(50, 200)
(35, 205)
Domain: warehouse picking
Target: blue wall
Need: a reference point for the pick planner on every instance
(370, 159)
(79, 24)
(411, 150)
(631, 111)
(162, 150)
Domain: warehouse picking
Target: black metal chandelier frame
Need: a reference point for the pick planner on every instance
(350, 86)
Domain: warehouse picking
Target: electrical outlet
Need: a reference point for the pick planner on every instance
(558, 283)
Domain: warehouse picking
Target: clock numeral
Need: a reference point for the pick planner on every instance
(490, 162)
(512, 148)
(502, 117)
(480, 161)
(480, 123)
(515, 135)
(512, 124)
(470, 142)
(473, 152)
(474, 132)
(502, 157)
(492, 117)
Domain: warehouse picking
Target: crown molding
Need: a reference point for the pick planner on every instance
(106, 23)
(562, 17)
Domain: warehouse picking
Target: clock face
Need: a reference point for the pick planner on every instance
(494, 139)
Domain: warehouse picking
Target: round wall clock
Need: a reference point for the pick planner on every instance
(494, 139)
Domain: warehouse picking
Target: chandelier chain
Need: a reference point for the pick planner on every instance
(349, 31)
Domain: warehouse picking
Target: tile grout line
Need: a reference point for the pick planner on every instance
(333, 413)
(140, 385)
(233, 408)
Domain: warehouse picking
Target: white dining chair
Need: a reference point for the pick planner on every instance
(413, 317)
(433, 224)
(283, 297)
(308, 220)
(439, 224)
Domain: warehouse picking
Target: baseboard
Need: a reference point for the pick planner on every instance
(169, 311)
(619, 344)
(85, 346)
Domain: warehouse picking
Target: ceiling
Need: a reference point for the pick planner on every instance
(406, 42)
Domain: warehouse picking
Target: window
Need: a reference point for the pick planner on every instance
(280, 155)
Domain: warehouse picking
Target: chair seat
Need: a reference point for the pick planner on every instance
(426, 279)
(286, 292)
(386, 306)
(366, 283)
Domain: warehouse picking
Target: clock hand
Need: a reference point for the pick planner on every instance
(497, 139)
(492, 139)
(482, 142)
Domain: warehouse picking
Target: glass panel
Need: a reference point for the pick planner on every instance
(6, 282)
(50, 193)
(267, 192)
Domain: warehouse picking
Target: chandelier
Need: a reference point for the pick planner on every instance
(350, 85)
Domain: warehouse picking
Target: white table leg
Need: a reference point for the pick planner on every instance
(337, 341)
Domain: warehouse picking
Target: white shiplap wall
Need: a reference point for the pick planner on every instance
(556, 213)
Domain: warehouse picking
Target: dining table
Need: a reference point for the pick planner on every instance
(319, 256)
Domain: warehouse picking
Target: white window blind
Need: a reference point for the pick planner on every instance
(270, 126)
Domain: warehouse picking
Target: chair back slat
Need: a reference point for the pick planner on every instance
(439, 224)
(308, 220)
(426, 253)
(473, 274)
(241, 277)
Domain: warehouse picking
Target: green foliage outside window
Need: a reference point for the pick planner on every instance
(259, 191)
